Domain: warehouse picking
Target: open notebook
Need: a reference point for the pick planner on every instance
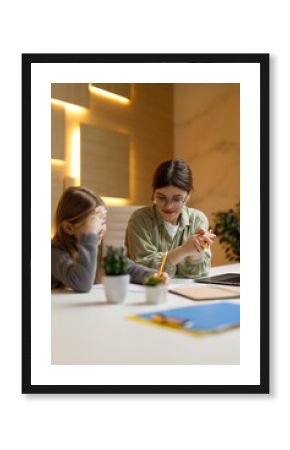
(195, 292)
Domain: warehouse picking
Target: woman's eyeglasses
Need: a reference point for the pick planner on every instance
(175, 201)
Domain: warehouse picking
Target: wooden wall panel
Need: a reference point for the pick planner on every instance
(105, 161)
(123, 89)
(76, 93)
(147, 120)
(152, 124)
(57, 132)
(57, 171)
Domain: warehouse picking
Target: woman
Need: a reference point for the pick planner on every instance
(170, 226)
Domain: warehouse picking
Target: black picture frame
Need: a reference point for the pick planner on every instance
(247, 58)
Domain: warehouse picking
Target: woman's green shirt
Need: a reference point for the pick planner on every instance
(147, 240)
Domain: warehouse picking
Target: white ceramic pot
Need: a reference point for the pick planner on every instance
(116, 287)
(156, 294)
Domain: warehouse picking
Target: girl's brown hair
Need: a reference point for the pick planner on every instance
(174, 172)
(75, 204)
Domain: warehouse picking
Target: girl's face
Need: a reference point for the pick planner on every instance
(169, 202)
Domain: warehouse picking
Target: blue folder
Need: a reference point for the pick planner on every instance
(198, 319)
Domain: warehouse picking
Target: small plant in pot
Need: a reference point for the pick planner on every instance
(155, 290)
(116, 278)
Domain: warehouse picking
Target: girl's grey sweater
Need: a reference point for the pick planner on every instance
(79, 274)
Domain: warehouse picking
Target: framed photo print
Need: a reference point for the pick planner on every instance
(145, 204)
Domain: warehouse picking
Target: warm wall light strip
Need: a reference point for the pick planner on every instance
(114, 201)
(75, 155)
(57, 162)
(110, 95)
(68, 106)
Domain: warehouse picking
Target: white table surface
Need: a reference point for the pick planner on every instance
(86, 329)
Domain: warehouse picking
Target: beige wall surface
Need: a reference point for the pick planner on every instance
(105, 161)
(57, 132)
(75, 93)
(57, 171)
(207, 137)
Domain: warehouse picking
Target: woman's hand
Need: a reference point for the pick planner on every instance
(207, 237)
(197, 243)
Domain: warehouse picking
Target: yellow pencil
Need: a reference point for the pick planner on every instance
(162, 265)
(206, 244)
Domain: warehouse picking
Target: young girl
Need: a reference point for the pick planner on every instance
(80, 226)
(169, 226)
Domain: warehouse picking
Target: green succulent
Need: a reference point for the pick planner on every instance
(115, 262)
(227, 229)
(153, 281)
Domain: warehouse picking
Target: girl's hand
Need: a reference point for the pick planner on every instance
(164, 277)
(102, 232)
(95, 222)
(92, 224)
(101, 213)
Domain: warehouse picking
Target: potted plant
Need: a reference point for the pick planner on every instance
(227, 228)
(155, 290)
(116, 278)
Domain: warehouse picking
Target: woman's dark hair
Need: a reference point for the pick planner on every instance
(174, 172)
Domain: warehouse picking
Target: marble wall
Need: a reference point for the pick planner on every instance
(207, 137)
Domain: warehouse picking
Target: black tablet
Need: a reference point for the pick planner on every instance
(232, 279)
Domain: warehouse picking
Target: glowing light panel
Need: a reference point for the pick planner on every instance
(110, 95)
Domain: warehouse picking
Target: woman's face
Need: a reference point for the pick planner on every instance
(169, 202)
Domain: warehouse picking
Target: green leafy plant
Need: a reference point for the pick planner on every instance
(153, 281)
(227, 229)
(115, 262)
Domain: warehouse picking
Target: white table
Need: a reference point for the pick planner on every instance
(87, 330)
